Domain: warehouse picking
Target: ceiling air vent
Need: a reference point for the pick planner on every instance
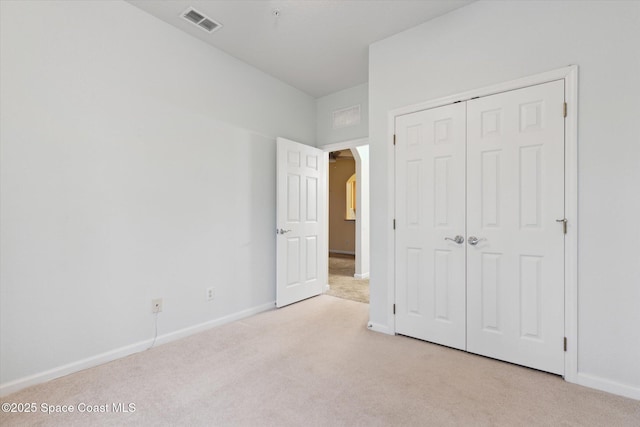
(202, 21)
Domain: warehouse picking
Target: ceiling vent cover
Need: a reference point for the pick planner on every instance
(200, 20)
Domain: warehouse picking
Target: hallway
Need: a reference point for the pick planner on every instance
(341, 281)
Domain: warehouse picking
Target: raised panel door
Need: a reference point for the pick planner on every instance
(515, 194)
(430, 206)
(300, 212)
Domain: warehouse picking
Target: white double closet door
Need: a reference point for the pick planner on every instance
(491, 172)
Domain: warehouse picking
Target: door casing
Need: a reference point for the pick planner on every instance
(570, 76)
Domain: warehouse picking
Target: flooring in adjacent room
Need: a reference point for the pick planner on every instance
(342, 284)
(315, 363)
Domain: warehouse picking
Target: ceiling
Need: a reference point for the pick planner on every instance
(317, 46)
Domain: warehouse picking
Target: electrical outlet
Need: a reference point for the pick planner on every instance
(211, 294)
(156, 305)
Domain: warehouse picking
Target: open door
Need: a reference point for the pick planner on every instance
(300, 251)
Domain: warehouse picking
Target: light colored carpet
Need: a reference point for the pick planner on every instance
(315, 364)
(342, 284)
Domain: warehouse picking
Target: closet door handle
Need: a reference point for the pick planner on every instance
(458, 239)
(473, 240)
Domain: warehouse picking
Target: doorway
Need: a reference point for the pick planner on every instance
(348, 220)
(342, 205)
(302, 226)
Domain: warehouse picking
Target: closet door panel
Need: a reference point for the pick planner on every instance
(430, 206)
(515, 194)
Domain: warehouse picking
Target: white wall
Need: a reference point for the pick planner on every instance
(335, 101)
(137, 162)
(494, 41)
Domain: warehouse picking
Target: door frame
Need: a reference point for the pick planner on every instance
(346, 145)
(570, 76)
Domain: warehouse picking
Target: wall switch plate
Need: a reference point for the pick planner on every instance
(211, 294)
(156, 305)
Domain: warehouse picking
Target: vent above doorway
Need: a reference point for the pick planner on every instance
(200, 20)
(345, 117)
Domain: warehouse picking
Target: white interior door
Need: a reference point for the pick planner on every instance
(515, 187)
(430, 213)
(300, 215)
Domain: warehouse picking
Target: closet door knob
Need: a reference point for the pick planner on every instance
(473, 240)
(458, 239)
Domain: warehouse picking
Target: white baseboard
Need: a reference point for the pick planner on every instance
(376, 327)
(599, 383)
(90, 362)
(361, 276)
(336, 251)
(172, 336)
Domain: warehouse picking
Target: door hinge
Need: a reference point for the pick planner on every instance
(394, 224)
(565, 343)
(394, 309)
(564, 110)
(394, 139)
(564, 224)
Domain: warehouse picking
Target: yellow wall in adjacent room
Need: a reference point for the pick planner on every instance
(342, 233)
